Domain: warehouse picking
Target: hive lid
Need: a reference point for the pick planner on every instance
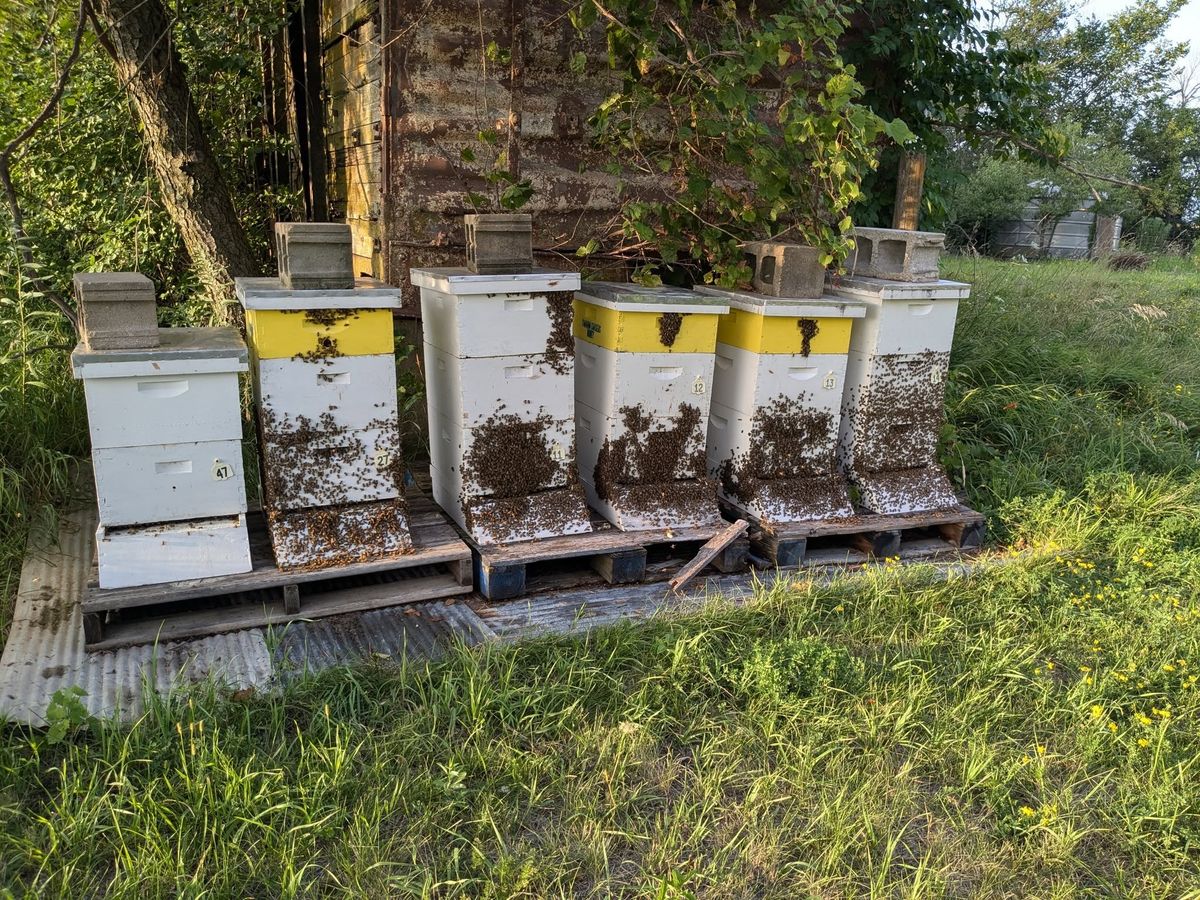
(460, 280)
(636, 298)
(179, 351)
(826, 307)
(269, 293)
(93, 283)
(861, 287)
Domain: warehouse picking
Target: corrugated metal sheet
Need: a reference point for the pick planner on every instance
(45, 650)
(1071, 237)
(416, 632)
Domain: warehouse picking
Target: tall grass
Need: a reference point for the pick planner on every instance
(1024, 731)
(43, 426)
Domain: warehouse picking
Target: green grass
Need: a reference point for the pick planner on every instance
(1027, 731)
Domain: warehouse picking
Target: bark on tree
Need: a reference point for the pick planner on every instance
(137, 35)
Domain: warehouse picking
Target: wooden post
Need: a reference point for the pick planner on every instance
(910, 182)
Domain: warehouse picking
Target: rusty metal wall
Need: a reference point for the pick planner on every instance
(409, 87)
(440, 90)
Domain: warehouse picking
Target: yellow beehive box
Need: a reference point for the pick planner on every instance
(634, 325)
(313, 324)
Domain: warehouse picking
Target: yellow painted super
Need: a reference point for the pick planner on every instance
(784, 334)
(642, 332)
(280, 334)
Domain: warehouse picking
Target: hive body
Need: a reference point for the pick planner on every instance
(643, 389)
(499, 364)
(893, 406)
(166, 434)
(777, 396)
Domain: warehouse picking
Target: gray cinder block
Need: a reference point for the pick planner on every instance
(314, 255)
(896, 255)
(786, 270)
(499, 243)
(116, 310)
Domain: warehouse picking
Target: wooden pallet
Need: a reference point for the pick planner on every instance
(439, 567)
(606, 554)
(864, 536)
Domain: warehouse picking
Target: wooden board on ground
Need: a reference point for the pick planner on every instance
(440, 566)
(865, 536)
(616, 557)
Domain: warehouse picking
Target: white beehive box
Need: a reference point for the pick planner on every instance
(185, 390)
(470, 454)
(470, 390)
(499, 362)
(329, 469)
(468, 315)
(155, 554)
(346, 392)
(169, 482)
(901, 316)
(166, 427)
(893, 405)
(606, 380)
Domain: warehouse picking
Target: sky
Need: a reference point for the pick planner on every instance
(1186, 26)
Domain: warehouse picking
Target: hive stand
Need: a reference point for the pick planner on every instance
(865, 536)
(439, 566)
(616, 557)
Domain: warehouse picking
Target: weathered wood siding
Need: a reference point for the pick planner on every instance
(353, 88)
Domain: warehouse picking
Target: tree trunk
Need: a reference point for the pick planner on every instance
(137, 34)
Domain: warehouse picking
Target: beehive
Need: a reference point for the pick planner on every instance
(325, 388)
(893, 406)
(776, 405)
(166, 430)
(499, 364)
(643, 383)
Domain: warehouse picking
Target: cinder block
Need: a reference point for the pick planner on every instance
(314, 255)
(896, 255)
(499, 242)
(786, 270)
(116, 310)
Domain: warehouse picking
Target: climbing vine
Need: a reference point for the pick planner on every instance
(731, 123)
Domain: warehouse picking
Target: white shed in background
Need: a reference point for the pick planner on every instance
(1078, 235)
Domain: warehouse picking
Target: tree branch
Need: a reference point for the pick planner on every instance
(1088, 177)
(20, 238)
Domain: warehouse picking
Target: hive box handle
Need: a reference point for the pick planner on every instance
(518, 302)
(666, 373)
(174, 467)
(802, 373)
(163, 388)
(920, 309)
